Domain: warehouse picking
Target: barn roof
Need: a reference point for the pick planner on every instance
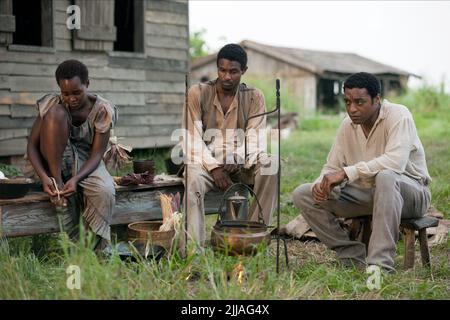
(314, 61)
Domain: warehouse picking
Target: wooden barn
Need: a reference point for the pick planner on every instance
(314, 77)
(137, 52)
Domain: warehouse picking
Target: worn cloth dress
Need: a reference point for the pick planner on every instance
(95, 199)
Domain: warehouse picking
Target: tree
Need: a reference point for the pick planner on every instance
(197, 44)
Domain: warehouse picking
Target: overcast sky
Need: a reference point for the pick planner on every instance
(411, 35)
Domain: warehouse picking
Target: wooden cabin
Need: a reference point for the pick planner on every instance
(315, 78)
(137, 53)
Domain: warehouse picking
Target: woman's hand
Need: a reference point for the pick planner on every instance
(70, 187)
(47, 186)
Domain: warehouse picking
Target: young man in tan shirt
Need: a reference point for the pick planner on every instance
(218, 117)
(375, 167)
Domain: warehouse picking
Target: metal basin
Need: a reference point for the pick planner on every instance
(144, 232)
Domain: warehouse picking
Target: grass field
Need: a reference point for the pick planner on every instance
(35, 267)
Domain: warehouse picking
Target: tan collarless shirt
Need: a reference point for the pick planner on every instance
(392, 144)
(219, 144)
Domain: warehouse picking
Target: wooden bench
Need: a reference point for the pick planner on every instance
(409, 228)
(34, 213)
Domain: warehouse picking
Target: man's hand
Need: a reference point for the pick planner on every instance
(330, 180)
(232, 168)
(318, 194)
(70, 187)
(221, 178)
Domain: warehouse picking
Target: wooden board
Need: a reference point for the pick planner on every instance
(170, 98)
(175, 54)
(13, 133)
(5, 110)
(145, 131)
(167, 42)
(34, 214)
(155, 119)
(166, 17)
(168, 6)
(152, 75)
(148, 142)
(162, 29)
(10, 123)
(23, 111)
(149, 64)
(149, 109)
(15, 146)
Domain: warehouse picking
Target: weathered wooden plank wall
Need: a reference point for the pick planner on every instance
(147, 87)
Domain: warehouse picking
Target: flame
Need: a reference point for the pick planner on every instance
(189, 273)
(239, 272)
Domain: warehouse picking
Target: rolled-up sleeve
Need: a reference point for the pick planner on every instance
(47, 101)
(104, 119)
(335, 158)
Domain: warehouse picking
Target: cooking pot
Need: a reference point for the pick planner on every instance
(236, 236)
(142, 166)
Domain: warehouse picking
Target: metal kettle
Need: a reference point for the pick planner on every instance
(237, 205)
(236, 208)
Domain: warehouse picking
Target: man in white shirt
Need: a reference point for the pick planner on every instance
(375, 167)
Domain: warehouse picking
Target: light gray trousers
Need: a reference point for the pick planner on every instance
(394, 197)
(200, 181)
(95, 200)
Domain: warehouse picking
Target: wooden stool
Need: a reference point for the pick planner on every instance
(362, 226)
(409, 227)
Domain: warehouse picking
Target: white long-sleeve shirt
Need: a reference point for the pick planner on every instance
(392, 144)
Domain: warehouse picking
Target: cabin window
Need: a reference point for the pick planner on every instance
(328, 93)
(129, 22)
(382, 84)
(34, 25)
(394, 85)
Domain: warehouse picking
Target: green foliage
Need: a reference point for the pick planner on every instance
(158, 155)
(288, 101)
(9, 171)
(197, 45)
(430, 107)
(428, 101)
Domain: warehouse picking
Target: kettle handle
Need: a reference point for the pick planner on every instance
(260, 218)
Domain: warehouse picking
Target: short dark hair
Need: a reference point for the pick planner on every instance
(233, 52)
(364, 80)
(72, 68)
